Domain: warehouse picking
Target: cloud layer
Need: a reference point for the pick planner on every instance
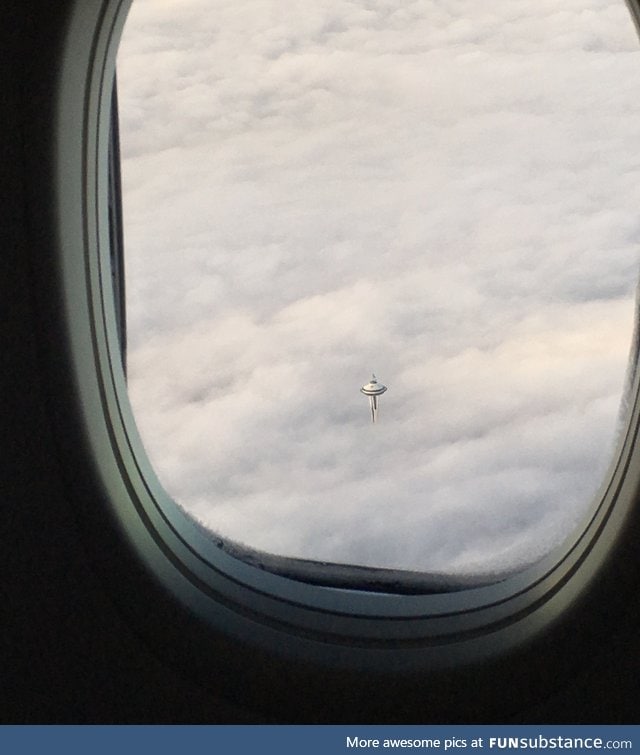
(443, 194)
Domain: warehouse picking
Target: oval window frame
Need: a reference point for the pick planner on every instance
(221, 617)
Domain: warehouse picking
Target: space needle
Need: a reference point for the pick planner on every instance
(373, 389)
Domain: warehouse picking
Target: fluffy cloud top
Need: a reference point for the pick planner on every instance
(442, 193)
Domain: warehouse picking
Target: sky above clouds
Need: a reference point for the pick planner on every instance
(442, 192)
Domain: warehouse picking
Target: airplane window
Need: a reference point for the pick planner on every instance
(381, 265)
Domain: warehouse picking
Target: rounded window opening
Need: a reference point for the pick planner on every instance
(433, 206)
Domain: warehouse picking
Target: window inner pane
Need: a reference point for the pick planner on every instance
(444, 194)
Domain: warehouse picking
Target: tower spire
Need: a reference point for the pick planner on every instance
(373, 389)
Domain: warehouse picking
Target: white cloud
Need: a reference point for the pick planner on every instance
(444, 193)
